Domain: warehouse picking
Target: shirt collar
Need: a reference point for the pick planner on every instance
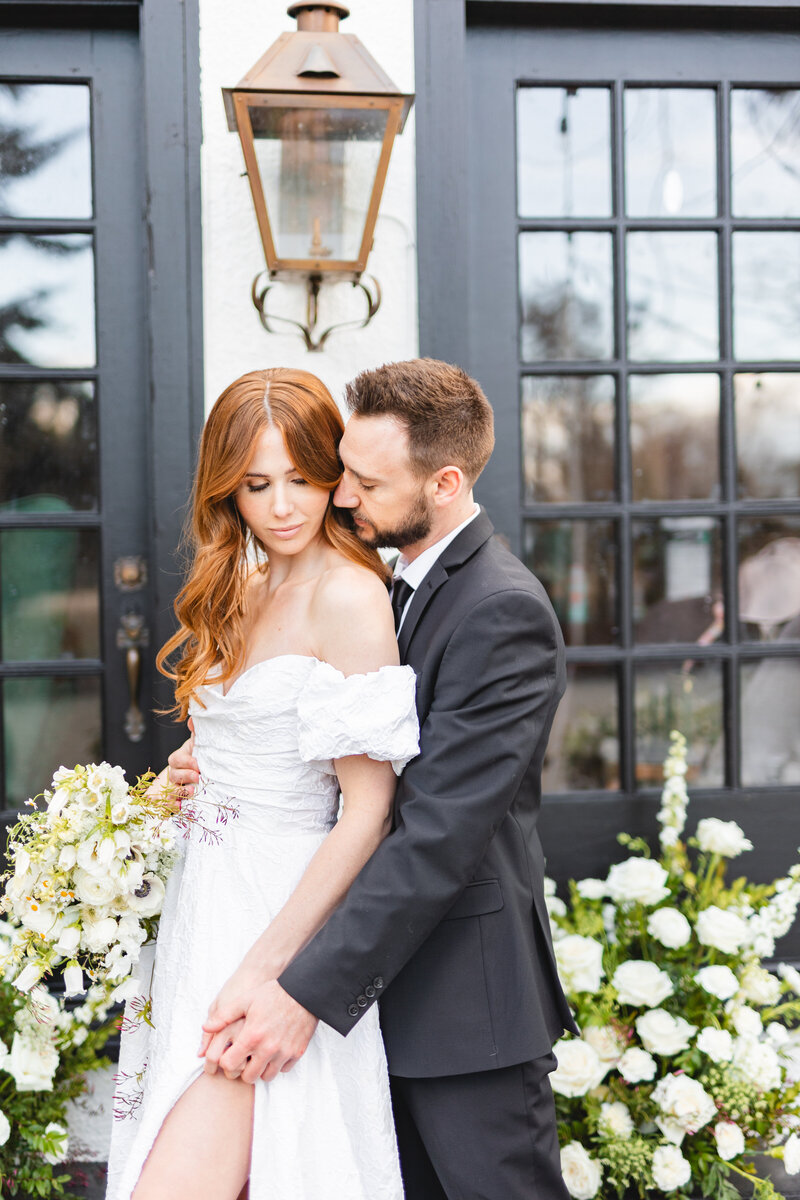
(414, 572)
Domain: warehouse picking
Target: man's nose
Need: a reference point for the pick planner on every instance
(344, 496)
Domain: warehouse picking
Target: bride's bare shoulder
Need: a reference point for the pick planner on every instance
(345, 584)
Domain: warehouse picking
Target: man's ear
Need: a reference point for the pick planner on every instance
(449, 484)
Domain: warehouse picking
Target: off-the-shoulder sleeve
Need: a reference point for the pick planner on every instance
(373, 714)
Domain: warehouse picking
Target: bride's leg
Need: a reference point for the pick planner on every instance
(203, 1147)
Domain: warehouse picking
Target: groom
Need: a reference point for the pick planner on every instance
(446, 924)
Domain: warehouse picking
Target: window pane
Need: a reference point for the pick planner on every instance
(576, 562)
(770, 722)
(674, 424)
(566, 295)
(48, 723)
(766, 287)
(48, 446)
(768, 435)
(47, 299)
(564, 152)
(50, 593)
(677, 593)
(765, 131)
(583, 750)
(568, 437)
(673, 312)
(45, 150)
(670, 152)
(686, 697)
(769, 578)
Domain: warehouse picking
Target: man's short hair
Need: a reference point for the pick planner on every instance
(447, 416)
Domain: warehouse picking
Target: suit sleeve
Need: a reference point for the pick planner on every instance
(495, 691)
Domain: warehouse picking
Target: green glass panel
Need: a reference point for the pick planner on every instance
(576, 562)
(48, 723)
(684, 696)
(50, 593)
(583, 749)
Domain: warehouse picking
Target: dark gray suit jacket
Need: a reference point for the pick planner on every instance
(446, 924)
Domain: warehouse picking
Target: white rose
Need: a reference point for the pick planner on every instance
(579, 1068)
(580, 963)
(582, 1173)
(32, 1064)
(59, 1140)
(148, 897)
(5, 1129)
(637, 1066)
(718, 981)
(716, 1043)
(760, 986)
(791, 1155)
(722, 837)
(95, 889)
(778, 1034)
(791, 976)
(615, 1120)
(661, 1033)
(746, 1021)
(756, 1062)
(670, 1169)
(729, 1139)
(685, 1106)
(641, 983)
(605, 1041)
(591, 889)
(98, 935)
(637, 881)
(670, 927)
(721, 929)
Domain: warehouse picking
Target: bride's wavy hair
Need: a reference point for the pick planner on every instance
(210, 605)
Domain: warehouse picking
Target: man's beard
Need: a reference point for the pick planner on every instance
(415, 525)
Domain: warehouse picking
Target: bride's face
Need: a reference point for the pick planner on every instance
(279, 507)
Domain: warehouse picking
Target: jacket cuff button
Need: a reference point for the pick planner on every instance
(369, 991)
(377, 982)
(353, 1010)
(362, 1001)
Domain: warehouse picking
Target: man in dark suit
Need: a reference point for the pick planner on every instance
(446, 924)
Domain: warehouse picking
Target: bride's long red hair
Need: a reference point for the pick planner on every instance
(210, 605)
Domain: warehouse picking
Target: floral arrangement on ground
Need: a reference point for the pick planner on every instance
(686, 1077)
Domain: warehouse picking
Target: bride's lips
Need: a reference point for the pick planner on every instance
(287, 532)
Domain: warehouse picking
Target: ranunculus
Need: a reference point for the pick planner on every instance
(59, 1139)
(670, 927)
(591, 889)
(685, 1106)
(721, 929)
(615, 1120)
(791, 1155)
(32, 1064)
(5, 1129)
(760, 986)
(95, 889)
(605, 1040)
(641, 983)
(637, 1066)
(746, 1021)
(722, 837)
(670, 1169)
(148, 897)
(716, 1043)
(757, 1062)
(718, 981)
(579, 1068)
(729, 1139)
(582, 1173)
(661, 1033)
(580, 963)
(637, 881)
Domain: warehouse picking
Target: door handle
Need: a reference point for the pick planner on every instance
(132, 635)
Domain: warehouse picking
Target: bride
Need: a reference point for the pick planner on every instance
(289, 669)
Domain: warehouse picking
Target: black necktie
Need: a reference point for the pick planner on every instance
(400, 593)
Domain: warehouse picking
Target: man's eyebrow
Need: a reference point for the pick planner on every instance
(362, 478)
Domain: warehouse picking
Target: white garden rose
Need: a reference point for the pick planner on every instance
(756, 1062)
(99, 934)
(591, 889)
(615, 1120)
(670, 1169)
(746, 1021)
(95, 889)
(59, 1139)
(637, 881)
(582, 1173)
(5, 1129)
(778, 1034)
(641, 983)
(791, 1155)
(637, 1066)
(661, 1033)
(580, 963)
(716, 1043)
(684, 1104)
(718, 981)
(729, 1139)
(32, 1063)
(722, 837)
(670, 927)
(760, 986)
(605, 1040)
(721, 929)
(579, 1068)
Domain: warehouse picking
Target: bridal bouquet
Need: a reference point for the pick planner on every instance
(686, 1077)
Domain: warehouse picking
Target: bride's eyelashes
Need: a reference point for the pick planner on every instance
(263, 486)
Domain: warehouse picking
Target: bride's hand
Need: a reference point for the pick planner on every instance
(218, 1044)
(233, 1001)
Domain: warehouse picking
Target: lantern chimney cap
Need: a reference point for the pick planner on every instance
(318, 16)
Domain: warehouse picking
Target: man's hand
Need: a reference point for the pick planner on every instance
(274, 1035)
(183, 770)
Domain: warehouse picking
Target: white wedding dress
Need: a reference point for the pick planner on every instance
(324, 1130)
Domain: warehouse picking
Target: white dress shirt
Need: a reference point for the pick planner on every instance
(415, 571)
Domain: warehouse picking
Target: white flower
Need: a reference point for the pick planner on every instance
(59, 1139)
(128, 989)
(32, 1064)
(641, 983)
(44, 1006)
(555, 906)
(67, 858)
(5, 1129)
(670, 927)
(38, 916)
(661, 1033)
(3, 1054)
(579, 1068)
(148, 897)
(130, 933)
(609, 914)
(615, 1120)
(95, 889)
(685, 1106)
(718, 981)
(757, 1062)
(746, 1021)
(582, 1173)
(791, 1155)
(721, 929)
(580, 963)
(791, 976)
(605, 1040)
(637, 881)
(670, 1169)
(99, 934)
(760, 986)
(69, 938)
(729, 1139)
(95, 854)
(722, 837)
(637, 1066)
(716, 1043)
(73, 980)
(30, 974)
(778, 1034)
(591, 889)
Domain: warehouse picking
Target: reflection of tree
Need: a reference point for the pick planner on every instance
(560, 323)
(21, 154)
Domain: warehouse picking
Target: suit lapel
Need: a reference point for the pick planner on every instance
(422, 598)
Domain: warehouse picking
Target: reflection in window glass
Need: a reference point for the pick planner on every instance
(688, 697)
(568, 437)
(673, 311)
(670, 152)
(564, 152)
(576, 562)
(677, 594)
(770, 722)
(769, 578)
(768, 435)
(45, 150)
(766, 287)
(583, 749)
(47, 299)
(48, 446)
(674, 432)
(50, 593)
(765, 148)
(48, 722)
(566, 295)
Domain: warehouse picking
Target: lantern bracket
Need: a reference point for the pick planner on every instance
(263, 286)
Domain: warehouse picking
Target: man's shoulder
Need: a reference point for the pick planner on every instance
(493, 570)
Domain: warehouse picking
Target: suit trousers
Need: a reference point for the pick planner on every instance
(485, 1136)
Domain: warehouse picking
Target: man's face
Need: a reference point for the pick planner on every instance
(390, 504)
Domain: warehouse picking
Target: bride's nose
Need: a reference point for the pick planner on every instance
(281, 500)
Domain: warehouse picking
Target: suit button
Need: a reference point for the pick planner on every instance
(369, 991)
(377, 982)
(353, 1010)
(362, 1001)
